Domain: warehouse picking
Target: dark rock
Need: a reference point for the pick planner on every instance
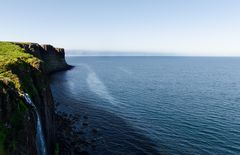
(85, 124)
(53, 58)
(70, 135)
(85, 117)
(95, 130)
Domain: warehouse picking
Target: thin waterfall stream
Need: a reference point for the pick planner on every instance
(41, 146)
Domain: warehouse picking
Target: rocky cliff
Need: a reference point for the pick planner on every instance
(53, 58)
(23, 69)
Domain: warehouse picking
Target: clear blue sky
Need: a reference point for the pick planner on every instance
(188, 27)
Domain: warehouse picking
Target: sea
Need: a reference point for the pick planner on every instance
(154, 105)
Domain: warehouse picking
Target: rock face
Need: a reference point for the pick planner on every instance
(17, 120)
(53, 58)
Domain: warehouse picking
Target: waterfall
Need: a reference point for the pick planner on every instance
(39, 135)
(41, 146)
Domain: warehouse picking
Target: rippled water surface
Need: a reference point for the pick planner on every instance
(154, 105)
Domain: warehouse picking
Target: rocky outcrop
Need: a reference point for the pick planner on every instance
(53, 58)
(17, 120)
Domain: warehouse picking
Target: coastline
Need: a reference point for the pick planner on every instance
(25, 68)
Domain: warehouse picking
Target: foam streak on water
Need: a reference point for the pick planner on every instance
(171, 105)
(98, 87)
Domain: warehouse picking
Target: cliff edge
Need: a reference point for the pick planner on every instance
(23, 69)
(53, 58)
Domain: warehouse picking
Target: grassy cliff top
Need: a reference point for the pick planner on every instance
(12, 56)
(16, 70)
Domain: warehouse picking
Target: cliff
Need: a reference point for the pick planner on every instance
(53, 58)
(23, 69)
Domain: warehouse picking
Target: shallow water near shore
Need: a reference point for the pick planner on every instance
(154, 105)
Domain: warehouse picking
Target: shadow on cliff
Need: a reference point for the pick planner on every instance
(33, 81)
(68, 67)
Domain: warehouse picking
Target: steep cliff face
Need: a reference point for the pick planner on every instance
(53, 58)
(23, 69)
(17, 128)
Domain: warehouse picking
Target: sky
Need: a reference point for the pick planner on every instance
(180, 27)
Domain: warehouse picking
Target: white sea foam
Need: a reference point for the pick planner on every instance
(98, 87)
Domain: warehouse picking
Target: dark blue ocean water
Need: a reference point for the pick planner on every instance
(155, 105)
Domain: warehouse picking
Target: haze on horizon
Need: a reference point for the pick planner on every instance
(182, 27)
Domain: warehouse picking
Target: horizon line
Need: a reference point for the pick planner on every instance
(206, 56)
(135, 53)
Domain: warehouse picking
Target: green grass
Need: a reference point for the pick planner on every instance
(14, 57)
(16, 70)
